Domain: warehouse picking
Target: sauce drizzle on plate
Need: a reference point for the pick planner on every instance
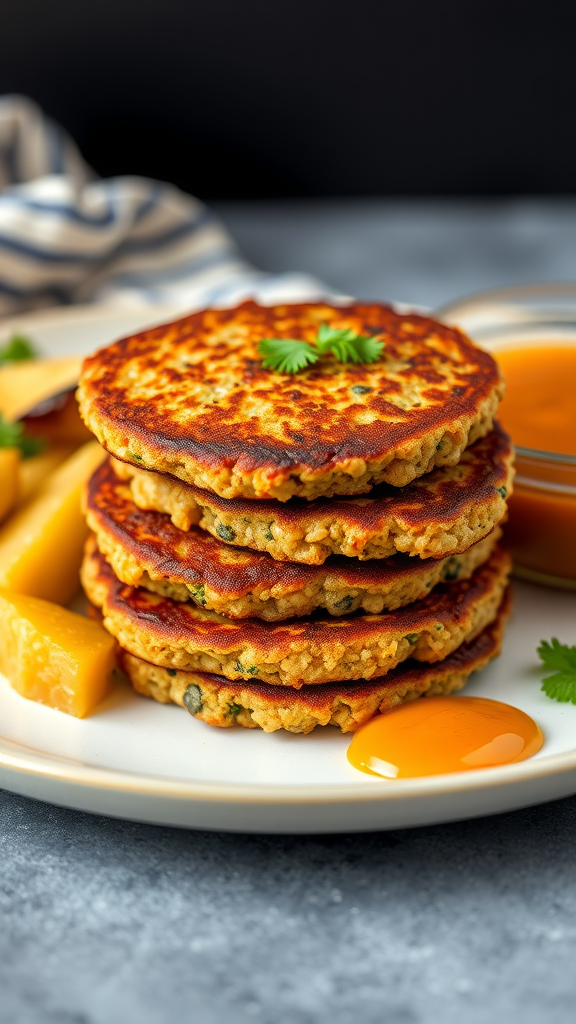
(437, 735)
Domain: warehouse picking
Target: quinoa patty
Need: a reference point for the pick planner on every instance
(191, 398)
(320, 649)
(440, 514)
(146, 549)
(253, 704)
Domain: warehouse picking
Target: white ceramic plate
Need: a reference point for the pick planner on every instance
(149, 762)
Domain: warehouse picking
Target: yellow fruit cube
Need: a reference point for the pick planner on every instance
(25, 385)
(52, 655)
(9, 480)
(34, 470)
(41, 545)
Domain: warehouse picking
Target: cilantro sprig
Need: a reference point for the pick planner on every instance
(290, 355)
(12, 436)
(559, 660)
(16, 349)
(287, 355)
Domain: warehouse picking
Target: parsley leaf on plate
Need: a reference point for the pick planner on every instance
(16, 349)
(12, 436)
(560, 660)
(288, 355)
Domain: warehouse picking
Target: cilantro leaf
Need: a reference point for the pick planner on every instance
(16, 349)
(12, 436)
(341, 343)
(329, 337)
(560, 660)
(287, 355)
(368, 349)
(347, 346)
(30, 446)
(10, 433)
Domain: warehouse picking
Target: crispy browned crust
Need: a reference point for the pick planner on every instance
(192, 399)
(316, 650)
(442, 513)
(253, 704)
(146, 549)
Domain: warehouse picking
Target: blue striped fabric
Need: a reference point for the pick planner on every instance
(67, 236)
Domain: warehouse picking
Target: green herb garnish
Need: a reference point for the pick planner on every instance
(192, 699)
(225, 532)
(560, 660)
(286, 355)
(12, 436)
(16, 349)
(289, 355)
(198, 592)
(452, 569)
(411, 638)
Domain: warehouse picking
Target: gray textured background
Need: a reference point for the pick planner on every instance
(107, 922)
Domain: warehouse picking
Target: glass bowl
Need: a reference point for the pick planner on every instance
(541, 528)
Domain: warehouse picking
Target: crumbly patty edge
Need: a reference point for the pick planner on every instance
(371, 647)
(222, 703)
(278, 603)
(311, 543)
(441, 446)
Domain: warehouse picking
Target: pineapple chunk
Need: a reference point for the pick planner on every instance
(27, 384)
(41, 545)
(9, 480)
(52, 655)
(34, 470)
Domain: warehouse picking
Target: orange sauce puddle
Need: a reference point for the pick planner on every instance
(437, 735)
(539, 409)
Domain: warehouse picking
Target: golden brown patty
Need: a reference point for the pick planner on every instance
(316, 650)
(192, 399)
(442, 513)
(146, 549)
(253, 704)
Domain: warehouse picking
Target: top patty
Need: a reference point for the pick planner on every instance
(192, 399)
(441, 514)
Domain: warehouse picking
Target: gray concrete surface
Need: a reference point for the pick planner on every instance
(107, 922)
(424, 251)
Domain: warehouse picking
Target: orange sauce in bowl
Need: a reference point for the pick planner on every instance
(437, 735)
(539, 411)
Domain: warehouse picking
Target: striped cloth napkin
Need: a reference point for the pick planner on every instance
(67, 236)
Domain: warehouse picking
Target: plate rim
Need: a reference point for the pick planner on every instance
(19, 760)
(29, 762)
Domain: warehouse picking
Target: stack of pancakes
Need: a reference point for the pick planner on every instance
(284, 551)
